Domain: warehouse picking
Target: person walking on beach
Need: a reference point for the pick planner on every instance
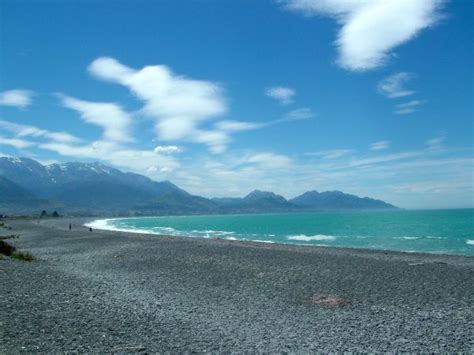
(70, 226)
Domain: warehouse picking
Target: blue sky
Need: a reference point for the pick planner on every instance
(371, 97)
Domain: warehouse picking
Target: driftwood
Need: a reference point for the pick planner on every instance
(329, 300)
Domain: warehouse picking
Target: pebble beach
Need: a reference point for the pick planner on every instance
(106, 291)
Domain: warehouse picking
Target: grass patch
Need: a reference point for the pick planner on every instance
(22, 255)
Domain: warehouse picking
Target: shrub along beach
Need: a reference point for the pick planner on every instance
(110, 291)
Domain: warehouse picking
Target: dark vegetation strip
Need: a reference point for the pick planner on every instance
(9, 250)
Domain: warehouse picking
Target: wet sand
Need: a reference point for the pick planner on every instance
(121, 292)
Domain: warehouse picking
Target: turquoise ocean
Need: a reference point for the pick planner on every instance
(429, 231)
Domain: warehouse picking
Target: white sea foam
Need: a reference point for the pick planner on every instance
(307, 238)
(470, 242)
(100, 224)
(410, 238)
(104, 224)
(263, 241)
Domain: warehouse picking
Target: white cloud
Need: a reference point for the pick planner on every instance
(408, 107)
(110, 116)
(283, 95)
(16, 98)
(31, 131)
(394, 85)
(380, 145)
(371, 29)
(176, 103)
(170, 149)
(15, 142)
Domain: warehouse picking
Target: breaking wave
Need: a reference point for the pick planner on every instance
(306, 238)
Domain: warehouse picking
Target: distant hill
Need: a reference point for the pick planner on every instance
(337, 200)
(256, 201)
(26, 185)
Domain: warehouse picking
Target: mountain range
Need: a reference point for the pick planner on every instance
(26, 186)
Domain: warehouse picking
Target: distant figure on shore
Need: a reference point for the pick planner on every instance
(70, 226)
(90, 229)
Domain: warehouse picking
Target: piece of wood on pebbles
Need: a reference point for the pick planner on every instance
(328, 300)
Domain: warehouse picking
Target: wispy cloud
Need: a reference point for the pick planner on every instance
(394, 85)
(16, 98)
(284, 95)
(15, 142)
(331, 154)
(20, 130)
(435, 143)
(408, 107)
(375, 175)
(431, 186)
(299, 114)
(380, 145)
(237, 126)
(110, 116)
(270, 160)
(385, 158)
(223, 129)
(371, 29)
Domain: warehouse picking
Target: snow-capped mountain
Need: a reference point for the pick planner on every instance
(95, 187)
